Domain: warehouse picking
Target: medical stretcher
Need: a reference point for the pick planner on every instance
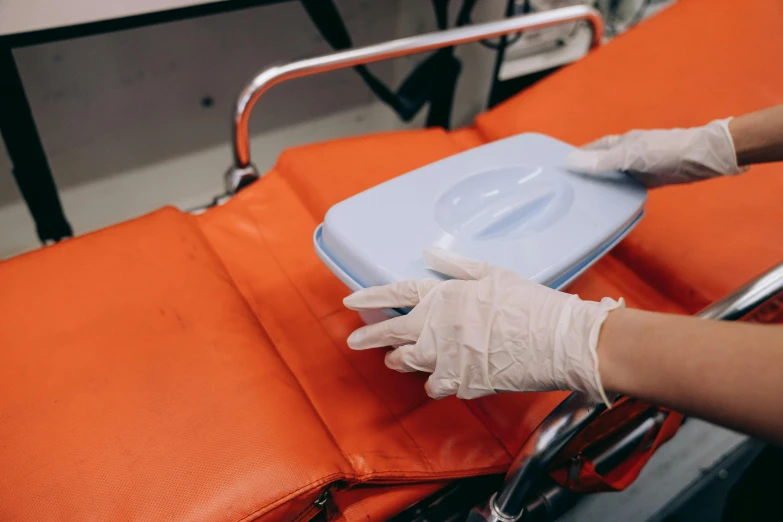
(194, 367)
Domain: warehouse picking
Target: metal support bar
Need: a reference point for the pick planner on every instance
(555, 500)
(513, 501)
(243, 172)
(745, 300)
(551, 436)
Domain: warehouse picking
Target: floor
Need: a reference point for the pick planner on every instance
(745, 488)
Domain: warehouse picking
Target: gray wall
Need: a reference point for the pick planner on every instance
(111, 103)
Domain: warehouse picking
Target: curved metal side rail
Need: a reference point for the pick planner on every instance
(745, 300)
(243, 172)
(558, 429)
(572, 415)
(552, 502)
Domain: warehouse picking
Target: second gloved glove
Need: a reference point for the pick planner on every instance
(487, 330)
(662, 157)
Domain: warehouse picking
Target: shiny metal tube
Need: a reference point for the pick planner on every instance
(742, 302)
(243, 168)
(569, 418)
(555, 500)
(642, 435)
(550, 501)
(576, 412)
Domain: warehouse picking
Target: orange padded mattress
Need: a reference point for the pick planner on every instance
(180, 367)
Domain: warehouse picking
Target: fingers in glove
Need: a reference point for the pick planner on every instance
(400, 330)
(607, 142)
(454, 265)
(601, 156)
(409, 358)
(438, 388)
(395, 295)
(594, 162)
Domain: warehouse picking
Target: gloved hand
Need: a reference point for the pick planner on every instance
(487, 330)
(662, 157)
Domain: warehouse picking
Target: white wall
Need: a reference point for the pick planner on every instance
(121, 119)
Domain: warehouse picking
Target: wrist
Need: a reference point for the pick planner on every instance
(758, 136)
(741, 140)
(625, 350)
(579, 336)
(609, 367)
(719, 139)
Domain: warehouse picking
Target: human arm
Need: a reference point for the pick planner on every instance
(673, 156)
(758, 136)
(724, 372)
(491, 330)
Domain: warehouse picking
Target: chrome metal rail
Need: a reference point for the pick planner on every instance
(243, 172)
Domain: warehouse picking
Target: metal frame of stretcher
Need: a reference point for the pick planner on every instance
(524, 493)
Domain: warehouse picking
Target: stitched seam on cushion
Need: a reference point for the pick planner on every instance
(423, 455)
(421, 451)
(329, 478)
(271, 342)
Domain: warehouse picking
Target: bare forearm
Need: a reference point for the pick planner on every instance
(729, 373)
(758, 136)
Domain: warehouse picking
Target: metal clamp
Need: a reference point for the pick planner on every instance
(513, 501)
(243, 172)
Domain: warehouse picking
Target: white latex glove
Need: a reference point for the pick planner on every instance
(662, 157)
(487, 330)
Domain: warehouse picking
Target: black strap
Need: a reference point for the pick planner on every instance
(447, 68)
(433, 80)
(441, 13)
(31, 170)
(329, 23)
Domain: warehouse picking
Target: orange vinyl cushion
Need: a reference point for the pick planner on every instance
(186, 368)
(136, 384)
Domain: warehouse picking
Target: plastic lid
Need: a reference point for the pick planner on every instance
(509, 203)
